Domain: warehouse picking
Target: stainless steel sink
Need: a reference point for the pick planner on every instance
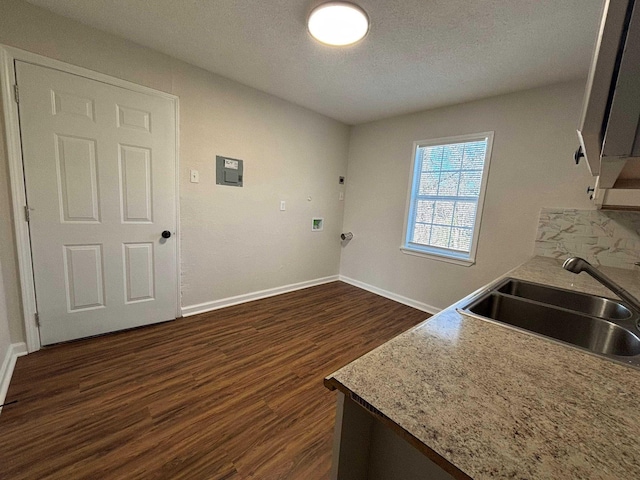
(597, 324)
(588, 304)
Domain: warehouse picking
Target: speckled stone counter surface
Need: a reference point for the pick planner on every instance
(502, 404)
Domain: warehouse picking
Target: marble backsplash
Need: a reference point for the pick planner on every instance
(602, 237)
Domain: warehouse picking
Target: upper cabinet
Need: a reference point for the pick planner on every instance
(609, 134)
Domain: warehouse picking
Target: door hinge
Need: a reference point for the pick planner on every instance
(16, 93)
(37, 317)
(27, 214)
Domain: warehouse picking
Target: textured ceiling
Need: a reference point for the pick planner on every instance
(418, 54)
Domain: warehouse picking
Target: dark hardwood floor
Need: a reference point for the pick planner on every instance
(232, 394)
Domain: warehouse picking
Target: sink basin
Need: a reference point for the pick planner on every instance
(579, 302)
(594, 334)
(600, 325)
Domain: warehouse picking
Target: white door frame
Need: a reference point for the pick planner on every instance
(16, 172)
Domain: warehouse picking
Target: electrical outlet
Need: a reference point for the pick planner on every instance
(194, 176)
(283, 205)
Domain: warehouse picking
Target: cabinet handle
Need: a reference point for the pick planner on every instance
(578, 155)
(590, 191)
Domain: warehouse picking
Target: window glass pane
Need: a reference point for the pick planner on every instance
(470, 184)
(448, 185)
(429, 183)
(443, 213)
(465, 214)
(440, 236)
(424, 211)
(421, 233)
(452, 156)
(431, 158)
(460, 239)
(474, 153)
(444, 202)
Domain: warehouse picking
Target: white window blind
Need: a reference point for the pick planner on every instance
(445, 201)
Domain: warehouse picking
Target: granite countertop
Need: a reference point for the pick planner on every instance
(503, 404)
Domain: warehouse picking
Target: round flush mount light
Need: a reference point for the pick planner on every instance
(338, 23)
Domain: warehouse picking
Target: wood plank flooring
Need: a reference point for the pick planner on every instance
(232, 394)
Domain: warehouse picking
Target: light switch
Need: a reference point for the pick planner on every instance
(195, 176)
(341, 196)
(283, 205)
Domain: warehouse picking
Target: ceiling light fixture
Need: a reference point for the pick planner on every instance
(338, 23)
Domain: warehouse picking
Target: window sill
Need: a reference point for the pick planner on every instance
(441, 258)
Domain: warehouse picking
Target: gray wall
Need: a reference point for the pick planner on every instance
(5, 340)
(531, 167)
(8, 257)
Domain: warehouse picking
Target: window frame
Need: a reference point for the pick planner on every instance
(436, 253)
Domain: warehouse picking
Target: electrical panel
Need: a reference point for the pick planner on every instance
(228, 171)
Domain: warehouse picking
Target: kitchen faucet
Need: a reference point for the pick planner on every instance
(577, 265)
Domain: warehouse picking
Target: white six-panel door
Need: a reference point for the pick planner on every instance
(99, 163)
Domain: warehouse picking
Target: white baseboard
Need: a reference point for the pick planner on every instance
(14, 351)
(390, 295)
(248, 297)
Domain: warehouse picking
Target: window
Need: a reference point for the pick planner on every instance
(446, 196)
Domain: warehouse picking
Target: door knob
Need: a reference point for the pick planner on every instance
(166, 234)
